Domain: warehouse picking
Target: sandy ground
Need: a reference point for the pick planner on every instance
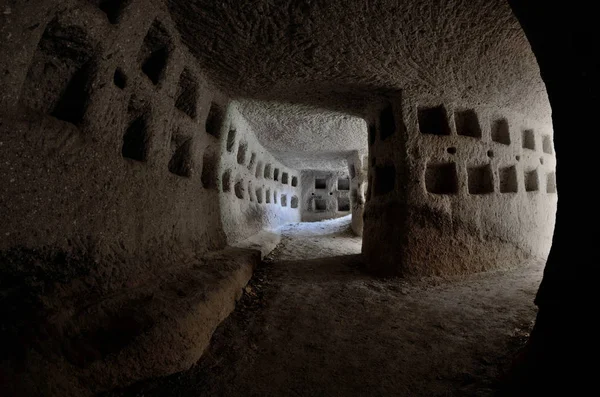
(312, 323)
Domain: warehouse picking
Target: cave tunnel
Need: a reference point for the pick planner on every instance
(363, 197)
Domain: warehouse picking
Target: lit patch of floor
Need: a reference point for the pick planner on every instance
(312, 323)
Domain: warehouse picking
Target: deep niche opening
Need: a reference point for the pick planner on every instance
(508, 179)
(467, 123)
(259, 169)
(343, 204)
(501, 131)
(320, 204)
(226, 181)
(547, 144)
(294, 181)
(284, 200)
(63, 65)
(433, 120)
(267, 173)
(343, 184)
(480, 179)
(155, 52)
(112, 8)
(528, 139)
(320, 183)
(441, 178)
(241, 154)
(120, 78)
(187, 94)
(181, 161)
(285, 178)
(294, 202)
(531, 181)
(214, 120)
(252, 161)
(231, 139)
(239, 189)
(136, 140)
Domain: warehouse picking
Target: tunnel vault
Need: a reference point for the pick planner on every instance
(133, 163)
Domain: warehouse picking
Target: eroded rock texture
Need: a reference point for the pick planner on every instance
(140, 138)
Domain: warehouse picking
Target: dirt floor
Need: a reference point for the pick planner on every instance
(312, 323)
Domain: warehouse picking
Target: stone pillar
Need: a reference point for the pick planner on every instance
(358, 169)
(456, 188)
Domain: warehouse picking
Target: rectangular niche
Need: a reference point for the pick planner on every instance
(551, 182)
(155, 52)
(547, 144)
(343, 204)
(214, 120)
(294, 181)
(267, 173)
(387, 123)
(285, 178)
(385, 179)
(239, 189)
(112, 8)
(320, 204)
(320, 183)
(187, 94)
(284, 200)
(343, 184)
(59, 77)
(501, 131)
(259, 195)
(136, 140)
(532, 183)
(433, 120)
(231, 139)
(276, 174)
(181, 161)
(508, 179)
(268, 196)
(467, 123)
(241, 154)
(275, 193)
(252, 161)
(259, 170)
(294, 202)
(352, 171)
(441, 178)
(226, 181)
(528, 139)
(480, 179)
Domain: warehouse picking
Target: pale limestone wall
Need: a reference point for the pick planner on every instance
(256, 190)
(323, 197)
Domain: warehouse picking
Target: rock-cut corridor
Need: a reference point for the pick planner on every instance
(312, 323)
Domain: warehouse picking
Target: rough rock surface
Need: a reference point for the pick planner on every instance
(325, 195)
(311, 323)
